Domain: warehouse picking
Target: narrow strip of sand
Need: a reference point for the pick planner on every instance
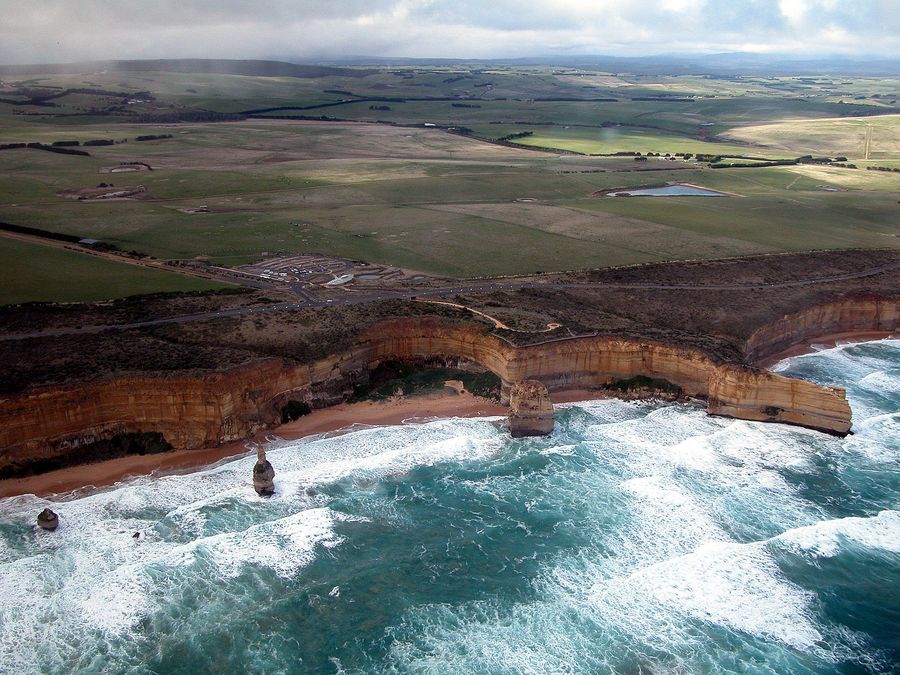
(438, 405)
(824, 341)
(101, 474)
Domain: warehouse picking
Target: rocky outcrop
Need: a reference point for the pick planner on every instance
(48, 520)
(530, 410)
(754, 394)
(193, 411)
(263, 475)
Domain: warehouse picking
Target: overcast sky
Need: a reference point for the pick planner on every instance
(41, 31)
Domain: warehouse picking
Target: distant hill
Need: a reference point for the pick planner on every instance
(726, 64)
(256, 68)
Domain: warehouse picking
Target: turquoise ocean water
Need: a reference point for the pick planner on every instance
(638, 538)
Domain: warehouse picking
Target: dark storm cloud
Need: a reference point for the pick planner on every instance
(53, 30)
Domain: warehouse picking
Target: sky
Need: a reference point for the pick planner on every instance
(50, 31)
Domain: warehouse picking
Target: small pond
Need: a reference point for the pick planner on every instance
(668, 191)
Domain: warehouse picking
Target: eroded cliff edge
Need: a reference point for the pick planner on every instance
(194, 411)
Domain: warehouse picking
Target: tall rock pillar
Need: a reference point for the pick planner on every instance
(263, 475)
(530, 410)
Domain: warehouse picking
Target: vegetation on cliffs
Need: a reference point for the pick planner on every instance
(120, 445)
(395, 377)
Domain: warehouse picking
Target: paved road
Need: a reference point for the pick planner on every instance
(309, 300)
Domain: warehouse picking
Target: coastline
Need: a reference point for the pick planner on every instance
(828, 341)
(421, 407)
(438, 405)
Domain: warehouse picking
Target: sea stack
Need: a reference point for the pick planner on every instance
(530, 410)
(263, 475)
(48, 520)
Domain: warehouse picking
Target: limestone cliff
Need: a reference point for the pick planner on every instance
(194, 411)
(190, 411)
(852, 314)
(753, 394)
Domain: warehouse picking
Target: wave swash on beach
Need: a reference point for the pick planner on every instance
(638, 537)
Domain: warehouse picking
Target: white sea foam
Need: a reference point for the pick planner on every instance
(881, 382)
(610, 410)
(671, 510)
(284, 546)
(91, 574)
(839, 354)
(562, 450)
(112, 602)
(736, 586)
(827, 538)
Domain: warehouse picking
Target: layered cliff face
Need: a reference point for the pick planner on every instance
(204, 410)
(852, 314)
(752, 394)
(559, 364)
(190, 411)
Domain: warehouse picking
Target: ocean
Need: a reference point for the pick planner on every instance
(639, 537)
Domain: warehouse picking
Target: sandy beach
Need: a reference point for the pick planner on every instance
(394, 411)
(826, 341)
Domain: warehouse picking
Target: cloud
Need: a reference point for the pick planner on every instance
(57, 30)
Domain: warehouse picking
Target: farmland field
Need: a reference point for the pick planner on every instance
(451, 203)
(62, 276)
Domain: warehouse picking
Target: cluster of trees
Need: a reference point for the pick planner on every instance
(882, 168)
(153, 137)
(63, 147)
(61, 151)
(512, 137)
(37, 232)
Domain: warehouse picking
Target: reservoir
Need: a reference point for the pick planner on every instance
(668, 191)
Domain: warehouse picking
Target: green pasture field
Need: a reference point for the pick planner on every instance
(593, 140)
(452, 210)
(35, 273)
(427, 200)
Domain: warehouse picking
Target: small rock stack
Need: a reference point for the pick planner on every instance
(263, 475)
(48, 520)
(530, 410)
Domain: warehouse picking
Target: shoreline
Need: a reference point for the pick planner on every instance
(829, 340)
(335, 419)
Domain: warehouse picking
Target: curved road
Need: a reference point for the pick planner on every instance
(483, 287)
